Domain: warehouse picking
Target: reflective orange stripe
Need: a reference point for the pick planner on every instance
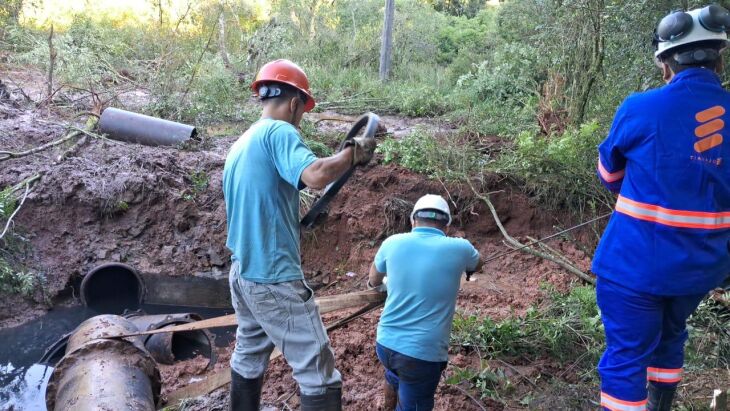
(709, 114)
(669, 375)
(608, 176)
(709, 128)
(708, 143)
(673, 218)
(614, 404)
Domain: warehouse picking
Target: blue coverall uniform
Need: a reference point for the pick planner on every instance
(667, 243)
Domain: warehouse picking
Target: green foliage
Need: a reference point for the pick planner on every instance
(488, 382)
(559, 170)
(121, 206)
(569, 329)
(8, 202)
(468, 8)
(199, 181)
(15, 282)
(450, 156)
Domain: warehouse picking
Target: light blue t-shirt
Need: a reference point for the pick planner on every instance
(261, 182)
(424, 269)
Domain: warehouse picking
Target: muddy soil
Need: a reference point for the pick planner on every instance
(161, 211)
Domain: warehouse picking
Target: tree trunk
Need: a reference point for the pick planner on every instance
(222, 42)
(386, 47)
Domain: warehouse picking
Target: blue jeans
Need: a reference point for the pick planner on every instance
(414, 380)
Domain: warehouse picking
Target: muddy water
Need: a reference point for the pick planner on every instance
(23, 380)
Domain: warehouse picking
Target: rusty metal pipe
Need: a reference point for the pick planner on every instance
(104, 374)
(137, 128)
(167, 348)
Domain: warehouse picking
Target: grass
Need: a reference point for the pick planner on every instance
(568, 330)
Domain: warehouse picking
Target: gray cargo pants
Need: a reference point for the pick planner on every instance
(282, 315)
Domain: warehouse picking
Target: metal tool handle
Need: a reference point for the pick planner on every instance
(367, 121)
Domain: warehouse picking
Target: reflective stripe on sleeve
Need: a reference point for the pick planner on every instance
(673, 218)
(669, 375)
(614, 404)
(608, 176)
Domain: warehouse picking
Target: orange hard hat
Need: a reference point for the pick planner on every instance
(284, 71)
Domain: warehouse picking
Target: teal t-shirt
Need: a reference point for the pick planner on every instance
(261, 182)
(424, 269)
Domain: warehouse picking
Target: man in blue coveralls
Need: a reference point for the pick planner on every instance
(263, 173)
(667, 244)
(423, 269)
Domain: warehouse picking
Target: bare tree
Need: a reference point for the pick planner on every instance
(386, 48)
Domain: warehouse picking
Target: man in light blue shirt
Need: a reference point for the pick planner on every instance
(262, 176)
(423, 269)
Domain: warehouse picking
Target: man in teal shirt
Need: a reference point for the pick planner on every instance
(423, 269)
(262, 176)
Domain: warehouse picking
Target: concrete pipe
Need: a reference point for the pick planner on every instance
(167, 348)
(104, 374)
(112, 288)
(137, 128)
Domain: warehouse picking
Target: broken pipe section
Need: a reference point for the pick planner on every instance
(104, 374)
(137, 128)
(166, 348)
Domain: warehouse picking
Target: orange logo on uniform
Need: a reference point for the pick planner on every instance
(709, 129)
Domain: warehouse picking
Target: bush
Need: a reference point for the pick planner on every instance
(450, 156)
(559, 170)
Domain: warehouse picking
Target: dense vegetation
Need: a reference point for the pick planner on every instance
(544, 75)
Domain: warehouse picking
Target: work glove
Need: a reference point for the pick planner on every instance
(362, 150)
(380, 288)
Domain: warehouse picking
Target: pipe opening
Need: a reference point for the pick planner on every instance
(112, 288)
(187, 345)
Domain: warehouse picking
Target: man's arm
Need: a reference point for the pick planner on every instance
(375, 278)
(326, 170)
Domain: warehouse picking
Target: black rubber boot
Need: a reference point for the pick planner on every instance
(660, 399)
(245, 392)
(329, 401)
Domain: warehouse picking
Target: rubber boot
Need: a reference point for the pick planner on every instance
(329, 401)
(390, 397)
(660, 399)
(245, 392)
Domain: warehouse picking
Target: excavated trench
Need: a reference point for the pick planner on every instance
(30, 352)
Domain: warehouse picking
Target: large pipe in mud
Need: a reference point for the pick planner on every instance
(137, 128)
(112, 288)
(104, 374)
(166, 348)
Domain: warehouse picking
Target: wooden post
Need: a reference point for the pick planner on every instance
(386, 47)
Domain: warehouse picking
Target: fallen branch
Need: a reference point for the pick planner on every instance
(10, 219)
(513, 241)
(6, 155)
(471, 397)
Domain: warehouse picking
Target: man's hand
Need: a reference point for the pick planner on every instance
(382, 287)
(362, 150)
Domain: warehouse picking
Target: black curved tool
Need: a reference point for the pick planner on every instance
(369, 122)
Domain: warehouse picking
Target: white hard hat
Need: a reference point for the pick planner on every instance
(680, 28)
(432, 202)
